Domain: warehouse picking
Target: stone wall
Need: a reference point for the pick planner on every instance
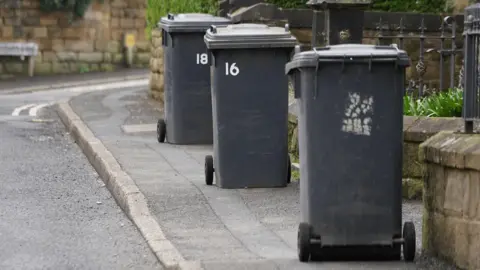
(156, 66)
(416, 130)
(74, 45)
(452, 198)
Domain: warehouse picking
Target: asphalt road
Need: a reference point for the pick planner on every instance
(55, 212)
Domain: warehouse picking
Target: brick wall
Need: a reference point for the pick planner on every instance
(80, 45)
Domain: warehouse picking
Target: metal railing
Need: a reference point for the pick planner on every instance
(471, 108)
(447, 50)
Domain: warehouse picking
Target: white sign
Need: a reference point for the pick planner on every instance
(358, 114)
(202, 59)
(18, 48)
(231, 69)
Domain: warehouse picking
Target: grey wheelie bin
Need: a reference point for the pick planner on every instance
(250, 106)
(187, 97)
(350, 100)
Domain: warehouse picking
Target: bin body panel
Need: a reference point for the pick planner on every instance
(250, 113)
(188, 107)
(351, 159)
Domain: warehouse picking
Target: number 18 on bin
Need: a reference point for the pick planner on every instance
(202, 59)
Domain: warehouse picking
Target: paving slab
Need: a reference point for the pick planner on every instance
(222, 229)
(139, 128)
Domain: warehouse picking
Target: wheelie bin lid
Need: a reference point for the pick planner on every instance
(348, 53)
(248, 35)
(190, 22)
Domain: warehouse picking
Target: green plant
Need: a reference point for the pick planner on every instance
(156, 9)
(84, 69)
(289, 3)
(443, 104)
(422, 6)
(412, 106)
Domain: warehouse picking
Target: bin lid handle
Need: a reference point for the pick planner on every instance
(394, 45)
(213, 29)
(170, 16)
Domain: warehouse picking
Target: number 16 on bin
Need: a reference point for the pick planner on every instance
(231, 69)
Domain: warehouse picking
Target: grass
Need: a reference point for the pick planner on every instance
(442, 104)
(156, 9)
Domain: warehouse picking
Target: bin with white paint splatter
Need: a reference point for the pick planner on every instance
(350, 104)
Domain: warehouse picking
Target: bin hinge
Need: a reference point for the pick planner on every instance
(398, 57)
(370, 63)
(164, 38)
(317, 66)
(296, 84)
(212, 56)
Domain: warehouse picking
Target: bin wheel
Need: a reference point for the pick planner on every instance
(209, 170)
(409, 241)
(289, 170)
(303, 242)
(161, 130)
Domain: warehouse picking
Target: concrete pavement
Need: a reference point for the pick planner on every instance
(55, 212)
(198, 226)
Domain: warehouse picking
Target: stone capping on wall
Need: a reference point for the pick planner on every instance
(452, 149)
(451, 227)
(420, 128)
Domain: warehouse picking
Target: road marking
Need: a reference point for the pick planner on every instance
(18, 110)
(78, 85)
(33, 111)
(38, 120)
